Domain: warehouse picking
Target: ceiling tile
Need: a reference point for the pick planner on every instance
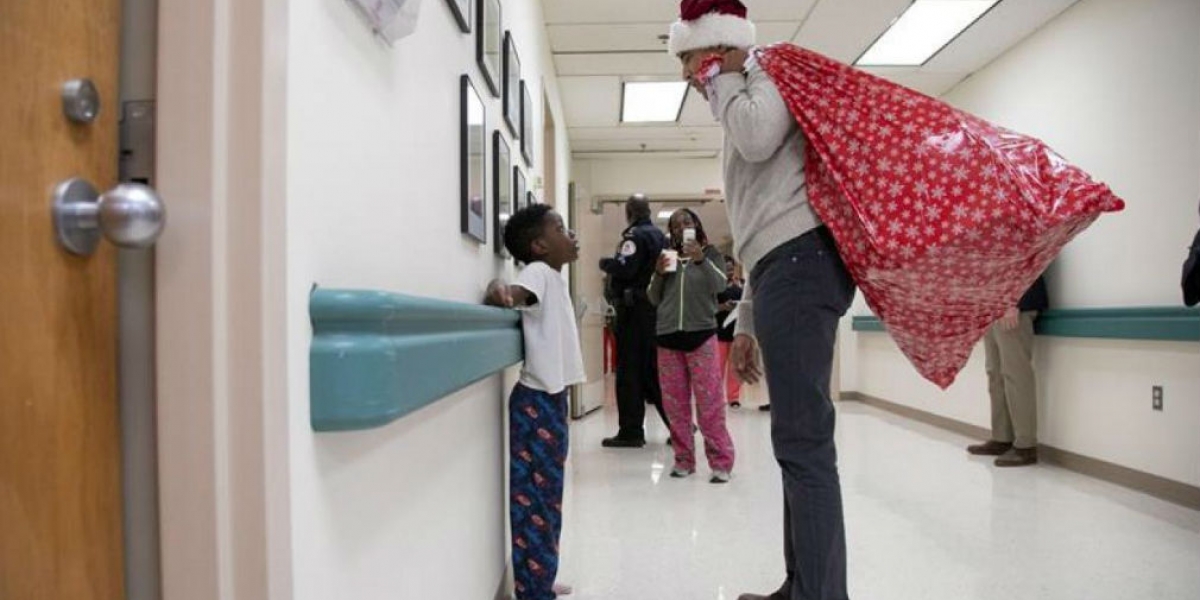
(843, 30)
(590, 101)
(657, 64)
(607, 38)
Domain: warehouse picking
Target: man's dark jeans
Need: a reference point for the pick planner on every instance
(800, 291)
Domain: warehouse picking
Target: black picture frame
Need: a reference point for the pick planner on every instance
(526, 124)
(519, 185)
(503, 202)
(473, 165)
(463, 13)
(512, 86)
(488, 42)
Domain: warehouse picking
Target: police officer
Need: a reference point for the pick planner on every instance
(629, 274)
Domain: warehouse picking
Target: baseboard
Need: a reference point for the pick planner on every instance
(915, 414)
(1147, 483)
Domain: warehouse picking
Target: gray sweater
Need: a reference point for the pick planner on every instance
(687, 298)
(764, 172)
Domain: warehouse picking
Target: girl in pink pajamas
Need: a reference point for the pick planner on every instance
(688, 362)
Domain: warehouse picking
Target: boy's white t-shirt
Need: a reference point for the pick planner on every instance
(553, 359)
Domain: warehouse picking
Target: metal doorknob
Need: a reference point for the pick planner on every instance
(130, 215)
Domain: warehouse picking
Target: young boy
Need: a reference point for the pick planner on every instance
(536, 236)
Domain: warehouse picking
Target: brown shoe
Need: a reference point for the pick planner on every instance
(990, 448)
(1018, 457)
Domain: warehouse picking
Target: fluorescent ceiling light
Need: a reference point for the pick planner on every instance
(652, 101)
(922, 31)
(664, 215)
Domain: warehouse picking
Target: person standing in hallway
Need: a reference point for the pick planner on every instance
(797, 291)
(684, 290)
(1012, 383)
(726, 303)
(629, 272)
(1191, 274)
(538, 441)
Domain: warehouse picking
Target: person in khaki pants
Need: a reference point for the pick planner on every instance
(1012, 384)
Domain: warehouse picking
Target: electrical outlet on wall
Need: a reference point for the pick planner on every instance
(1156, 397)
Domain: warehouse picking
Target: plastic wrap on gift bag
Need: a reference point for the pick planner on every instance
(943, 220)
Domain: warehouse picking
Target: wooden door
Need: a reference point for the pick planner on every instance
(60, 499)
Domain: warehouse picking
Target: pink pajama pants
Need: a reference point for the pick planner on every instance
(682, 375)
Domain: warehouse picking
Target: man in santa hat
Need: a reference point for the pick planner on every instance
(797, 291)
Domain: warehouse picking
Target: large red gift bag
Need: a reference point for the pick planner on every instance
(943, 219)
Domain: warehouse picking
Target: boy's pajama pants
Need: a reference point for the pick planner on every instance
(537, 423)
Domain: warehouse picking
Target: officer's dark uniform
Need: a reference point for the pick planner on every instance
(629, 273)
(1191, 274)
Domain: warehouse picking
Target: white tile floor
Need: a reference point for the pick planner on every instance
(924, 522)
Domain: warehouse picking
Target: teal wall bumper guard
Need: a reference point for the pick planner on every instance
(377, 356)
(1156, 323)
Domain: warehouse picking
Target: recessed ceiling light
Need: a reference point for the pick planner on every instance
(922, 31)
(652, 101)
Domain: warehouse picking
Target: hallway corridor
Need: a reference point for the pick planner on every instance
(924, 520)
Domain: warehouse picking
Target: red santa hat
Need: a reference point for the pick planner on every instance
(710, 23)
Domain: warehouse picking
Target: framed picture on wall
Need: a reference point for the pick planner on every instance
(519, 186)
(512, 85)
(488, 40)
(471, 159)
(461, 9)
(503, 203)
(526, 125)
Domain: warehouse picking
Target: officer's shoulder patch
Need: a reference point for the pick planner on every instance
(629, 248)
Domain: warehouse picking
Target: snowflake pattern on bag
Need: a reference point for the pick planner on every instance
(943, 219)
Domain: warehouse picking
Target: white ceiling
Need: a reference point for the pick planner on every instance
(597, 44)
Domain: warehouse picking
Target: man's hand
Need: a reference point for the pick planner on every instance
(1010, 320)
(498, 294)
(734, 61)
(744, 355)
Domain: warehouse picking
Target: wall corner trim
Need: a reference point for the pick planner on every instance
(1152, 323)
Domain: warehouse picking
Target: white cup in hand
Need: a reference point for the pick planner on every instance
(672, 260)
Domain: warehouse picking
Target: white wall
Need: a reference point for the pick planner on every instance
(1114, 86)
(414, 509)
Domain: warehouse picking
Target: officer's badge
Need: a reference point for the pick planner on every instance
(629, 248)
